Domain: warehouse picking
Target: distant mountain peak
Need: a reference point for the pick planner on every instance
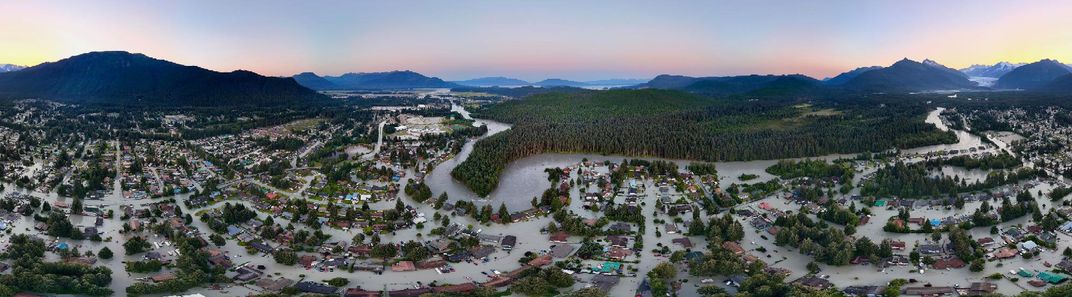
(493, 81)
(846, 76)
(1033, 76)
(10, 67)
(395, 79)
(558, 82)
(119, 77)
(992, 71)
(910, 76)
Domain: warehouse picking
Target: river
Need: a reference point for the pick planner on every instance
(524, 178)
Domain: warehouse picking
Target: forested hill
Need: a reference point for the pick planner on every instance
(674, 124)
(123, 78)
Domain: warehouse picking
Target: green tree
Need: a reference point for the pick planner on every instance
(977, 265)
(76, 206)
(285, 256)
(504, 215)
(532, 286)
(135, 245)
(105, 253)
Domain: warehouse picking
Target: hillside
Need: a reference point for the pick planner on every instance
(127, 78)
(669, 82)
(1032, 76)
(387, 80)
(843, 78)
(520, 92)
(315, 82)
(734, 85)
(1061, 84)
(910, 76)
(492, 82)
(616, 82)
(675, 124)
(555, 82)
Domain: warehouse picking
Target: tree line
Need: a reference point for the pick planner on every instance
(676, 125)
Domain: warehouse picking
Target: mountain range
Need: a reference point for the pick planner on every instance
(10, 67)
(1033, 76)
(903, 76)
(994, 71)
(127, 78)
(494, 81)
(499, 81)
(909, 76)
(404, 79)
(843, 78)
(118, 77)
(733, 85)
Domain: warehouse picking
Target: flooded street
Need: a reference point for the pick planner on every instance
(525, 178)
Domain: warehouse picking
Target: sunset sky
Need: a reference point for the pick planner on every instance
(539, 39)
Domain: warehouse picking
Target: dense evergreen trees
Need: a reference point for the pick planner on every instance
(788, 169)
(915, 181)
(237, 213)
(1002, 161)
(678, 125)
(418, 192)
(825, 244)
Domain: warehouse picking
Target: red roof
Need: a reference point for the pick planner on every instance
(949, 263)
(541, 261)
(403, 266)
(733, 247)
(559, 236)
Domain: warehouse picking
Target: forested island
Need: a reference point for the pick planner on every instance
(673, 124)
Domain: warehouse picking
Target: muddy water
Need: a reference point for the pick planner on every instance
(525, 178)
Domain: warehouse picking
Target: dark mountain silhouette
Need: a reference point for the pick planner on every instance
(315, 82)
(555, 82)
(670, 81)
(126, 78)
(789, 85)
(908, 76)
(1032, 76)
(843, 78)
(520, 92)
(616, 82)
(1062, 84)
(387, 80)
(718, 86)
(732, 85)
(492, 81)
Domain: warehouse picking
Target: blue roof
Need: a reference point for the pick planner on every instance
(232, 230)
(936, 222)
(1067, 225)
(62, 246)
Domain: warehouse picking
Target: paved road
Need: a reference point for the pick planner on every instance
(379, 142)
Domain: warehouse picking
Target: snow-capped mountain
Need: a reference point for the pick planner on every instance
(10, 67)
(995, 71)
